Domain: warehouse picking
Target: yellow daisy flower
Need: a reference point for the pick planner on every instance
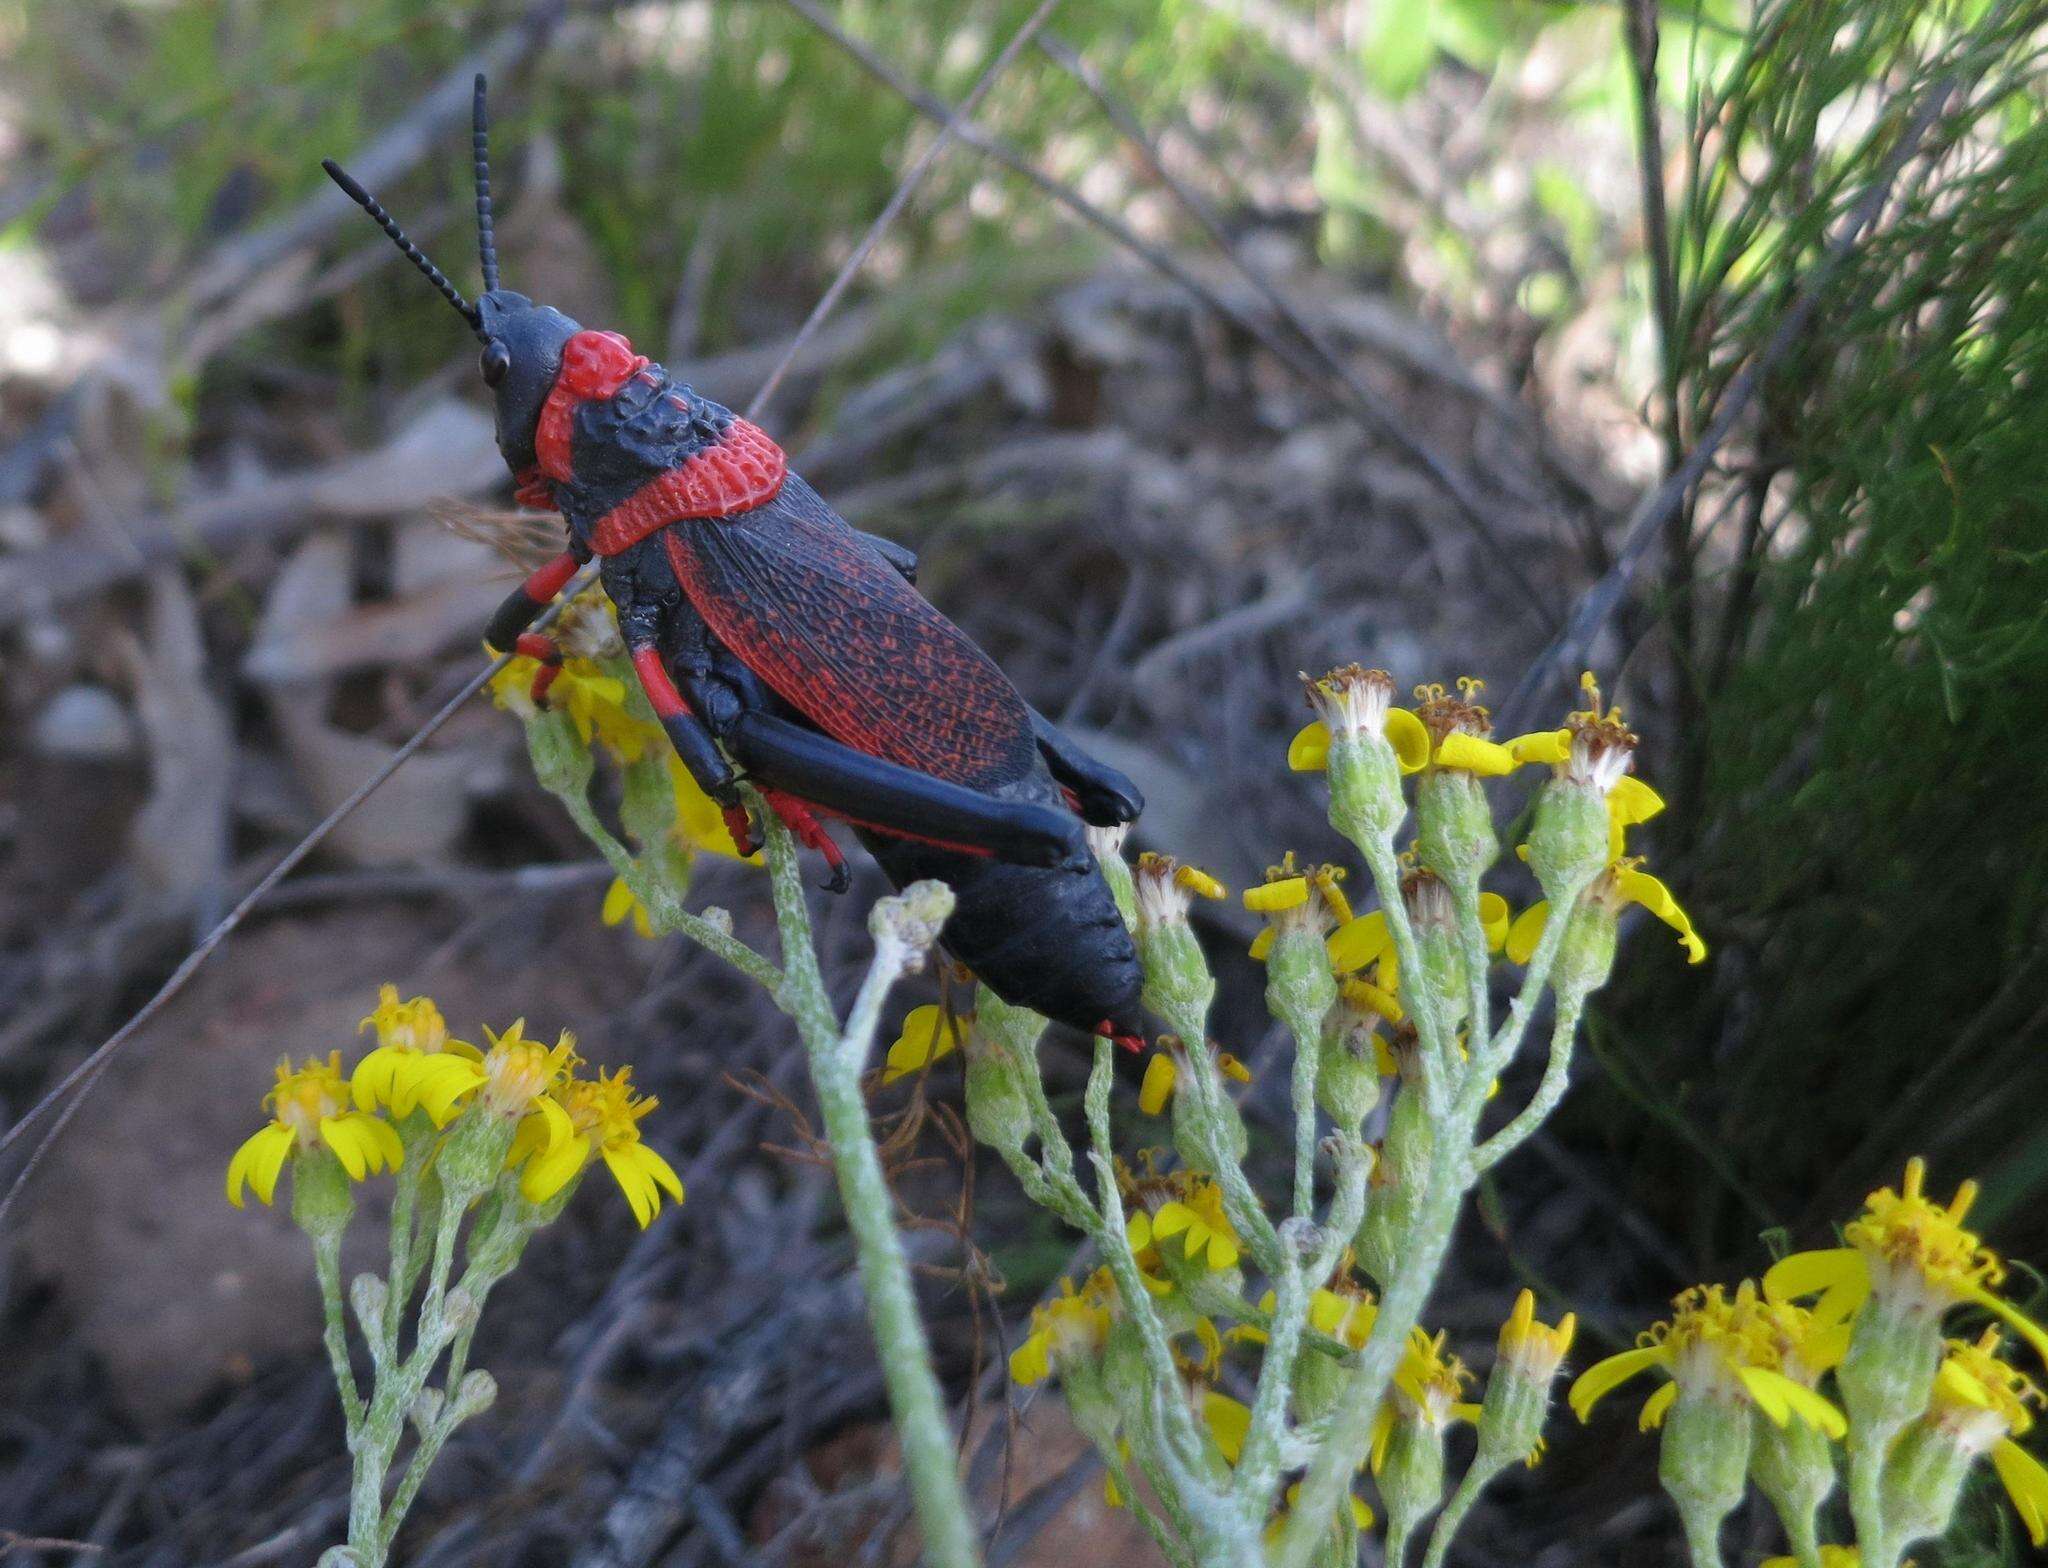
(604, 1120)
(416, 1063)
(930, 1034)
(520, 1077)
(1195, 1214)
(1532, 1349)
(1907, 1248)
(1714, 1346)
(593, 700)
(1981, 1404)
(1291, 900)
(1072, 1326)
(1441, 731)
(1344, 1310)
(1166, 889)
(1368, 940)
(1161, 1074)
(310, 1109)
(1426, 1387)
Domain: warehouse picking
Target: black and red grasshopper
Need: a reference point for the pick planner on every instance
(781, 646)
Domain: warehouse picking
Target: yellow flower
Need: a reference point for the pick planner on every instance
(1621, 884)
(1166, 890)
(1716, 1347)
(1344, 1311)
(930, 1034)
(1195, 1214)
(1228, 1421)
(620, 901)
(604, 1116)
(520, 1077)
(416, 1064)
(1593, 749)
(1426, 1387)
(1291, 900)
(1532, 1349)
(1161, 1075)
(1071, 1326)
(1982, 1403)
(593, 700)
(310, 1108)
(1907, 1248)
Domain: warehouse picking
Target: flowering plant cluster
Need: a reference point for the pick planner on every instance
(497, 1139)
(1250, 1369)
(1915, 1413)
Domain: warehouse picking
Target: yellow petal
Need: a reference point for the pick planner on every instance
(2020, 1323)
(1656, 1407)
(1031, 1362)
(618, 902)
(1369, 998)
(388, 1151)
(1157, 1088)
(1473, 754)
(1632, 801)
(658, 1169)
(1603, 1377)
(928, 1036)
(1527, 931)
(1382, 1432)
(1309, 751)
(1766, 1389)
(2026, 1483)
(1409, 737)
(1493, 920)
(1552, 746)
(1262, 944)
(1173, 1218)
(1199, 882)
(548, 1175)
(639, 1191)
(1810, 1273)
(1357, 943)
(370, 1084)
(1639, 887)
(1138, 1231)
(1228, 1421)
(1222, 1251)
(258, 1161)
(1287, 893)
(1811, 1408)
(1232, 1068)
(340, 1135)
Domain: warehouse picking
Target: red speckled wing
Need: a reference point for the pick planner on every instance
(838, 634)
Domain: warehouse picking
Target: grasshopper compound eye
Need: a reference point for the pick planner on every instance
(496, 363)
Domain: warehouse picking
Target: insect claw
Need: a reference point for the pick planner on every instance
(840, 880)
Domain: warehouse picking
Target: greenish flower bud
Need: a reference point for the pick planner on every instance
(425, 1411)
(1922, 1480)
(1300, 990)
(1894, 1352)
(474, 1153)
(1397, 1185)
(1794, 1466)
(1568, 843)
(1107, 844)
(1585, 954)
(1518, 1389)
(560, 759)
(1200, 1115)
(1704, 1461)
(367, 1294)
(1454, 831)
(1363, 769)
(1412, 1479)
(1178, 985)
(322, 1202)
(906, 926)
(1348, 1066)
(998, 1103)
(477, 1393)
(1434, 919)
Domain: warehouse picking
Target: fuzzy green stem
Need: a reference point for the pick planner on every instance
(1307, 1033)
(836, 1061)
(1703, 1537)
(1556, 1075)
(1448, 1523)
(1420, 999)
(1869, 1443)
(327, 1267)
(1258, 1470)
(1478, 960)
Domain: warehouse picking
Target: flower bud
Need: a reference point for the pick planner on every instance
(1178, 985)
(561, 761)
(998, 1103)
(1568, 843)
(1585, 954)
(1434, 919)
(1397, 1179)
(367, 1294)
(1107, 845)
(1348, 1063)
(1411, 1481)
(1454, 824)
(474, 1154)
(477, 1393)
(1199, 1116)
(1301, 909)
(1362, 766)
(425, 1411)
(906, 926)
(1894, 1352)
(1518, 1389)
(322, 1202)
(1794, 1466)
(1704, 1460)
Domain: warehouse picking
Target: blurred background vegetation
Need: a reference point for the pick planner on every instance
(1551, 247)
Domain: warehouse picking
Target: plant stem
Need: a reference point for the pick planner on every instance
(1556, 1075)
(1448, 1522)
(836, 1061)
(327, 1266)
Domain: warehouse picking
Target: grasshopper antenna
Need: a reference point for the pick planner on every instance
(413, 254)
(480, 141)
